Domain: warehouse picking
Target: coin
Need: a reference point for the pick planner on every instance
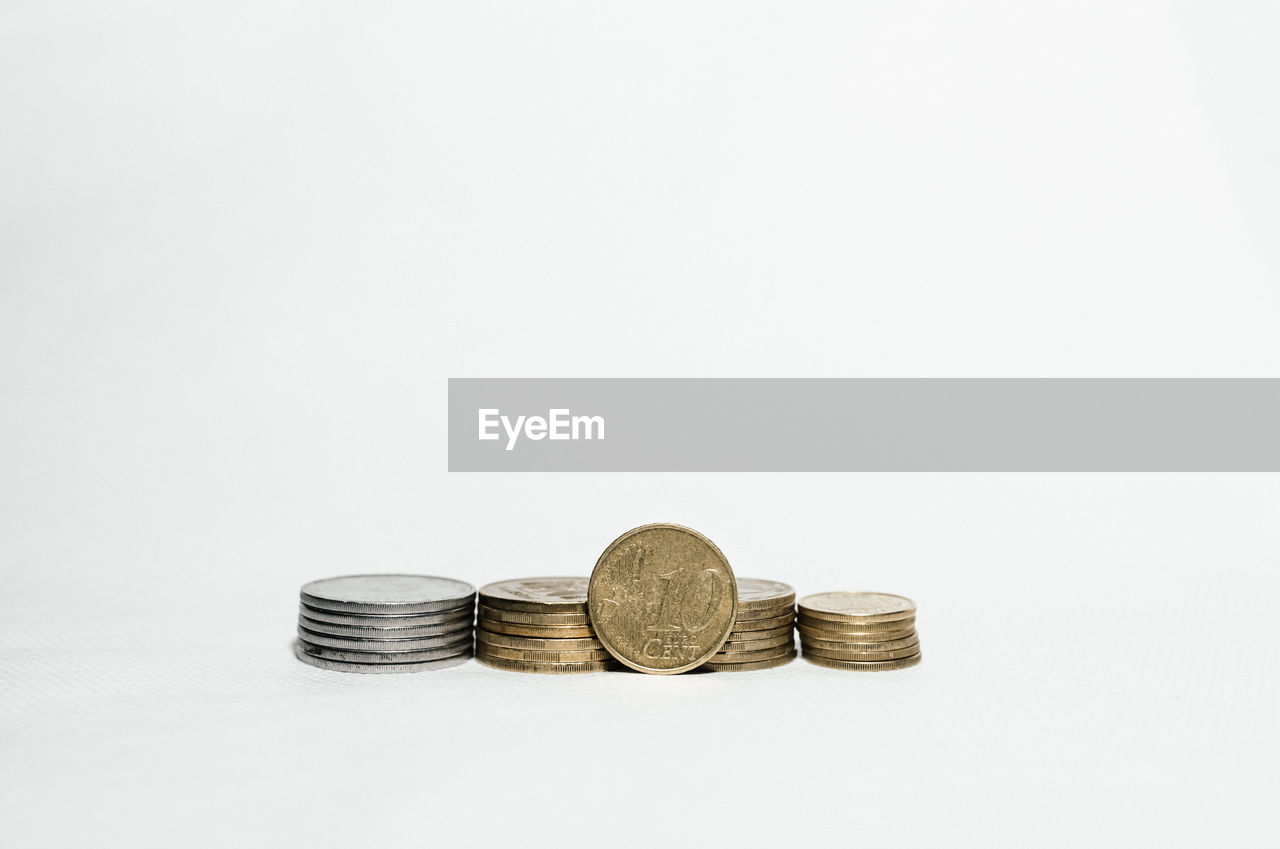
(358, 644)
(538, 644)
(522, 618)
(765, 613)
(389, 620)
(756, 593)
(763, 624)
(546, 668)
(824, 625)
(837, 654)
(739, 636)
(756, 645)
(544, 656)
(544, 631)
(379, 668)
(382, 633)
(384, 656)
(747, 656)
(860, 606)
(867, 666)
(387, 594)
(537, 595)
(747, 667)
(662, 598)
(885, 645)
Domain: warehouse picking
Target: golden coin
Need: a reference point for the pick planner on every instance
(803, 621)
(883, 645)
(764, 624)
(537, 595)
(755, 593)
(756, 645)
(749, 656)
(846, 654)
(520, 617)
(547, 668)
(765, 613)
(867, 666)
(539, 643)
(738, 636)
(747, 667)
(543, 656)
(862, 607)
(519, 630)
(662, 598)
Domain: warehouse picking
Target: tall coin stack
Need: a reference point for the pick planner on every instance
(863, 631)
(763, 635)
(539, 625)
(385, 623)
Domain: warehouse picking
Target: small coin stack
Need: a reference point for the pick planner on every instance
(763, 634)
(385, 623)
(539, 625)
(863, 631)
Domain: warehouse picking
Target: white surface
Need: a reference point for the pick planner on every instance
(242, 248)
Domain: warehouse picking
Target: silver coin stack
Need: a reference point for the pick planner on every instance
(385, 623)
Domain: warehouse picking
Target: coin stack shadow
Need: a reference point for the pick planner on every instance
(763, 634)
(539, 625)
(859, 631)
(348, 625)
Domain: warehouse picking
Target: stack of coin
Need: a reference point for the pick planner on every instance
(763, 634)
(385, 623)
(539, 625)
(864, 631)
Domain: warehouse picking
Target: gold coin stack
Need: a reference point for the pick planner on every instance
(863, 631)
(539, 625)
(763, 634)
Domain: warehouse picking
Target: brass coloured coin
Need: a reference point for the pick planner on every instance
(835, 654)
(764, 624)
(754, 593)
(764, 613)
(544, 656)
(756, 645)
(519, 630)
(803, 621)
(859, 606)
(521, 617)
(884, 645)
(546, 668)
(662, 598)
(748, 656)
(537, 595)
(756, 664)
(871, 666)
(538, 644)
(736, 636)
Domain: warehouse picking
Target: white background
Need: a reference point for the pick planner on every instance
(242, 248)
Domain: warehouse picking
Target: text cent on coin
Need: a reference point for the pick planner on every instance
(662, 598)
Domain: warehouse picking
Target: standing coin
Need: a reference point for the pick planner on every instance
(387, 594)
(662, 598)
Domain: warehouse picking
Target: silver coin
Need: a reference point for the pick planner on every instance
(389, 620)
(364, 644)
(387, 593)
(382, 633)
(346, 656)
(379, 668)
